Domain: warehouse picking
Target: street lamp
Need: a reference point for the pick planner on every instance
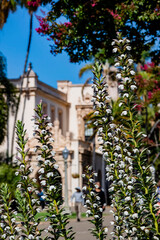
(65, 154)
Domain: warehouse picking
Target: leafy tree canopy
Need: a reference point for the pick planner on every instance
(86, 28)
(7, 97)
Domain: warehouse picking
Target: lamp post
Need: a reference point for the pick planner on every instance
(65, 154)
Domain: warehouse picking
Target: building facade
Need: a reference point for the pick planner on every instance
(67, 108)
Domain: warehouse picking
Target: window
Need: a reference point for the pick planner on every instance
(44, 108)
(88, 131)
(52, 115)
(60, 118)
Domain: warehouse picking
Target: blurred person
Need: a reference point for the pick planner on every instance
(41, 198)
(78, 202)
(101, 195)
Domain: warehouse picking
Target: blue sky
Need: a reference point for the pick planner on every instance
(13, 45)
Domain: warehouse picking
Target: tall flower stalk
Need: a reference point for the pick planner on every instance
(8, 226)
(49, 178)
(133, 189)
(92, 203)
(27, 200)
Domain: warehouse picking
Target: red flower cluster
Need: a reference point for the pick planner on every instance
(34, 3)
(44, 26)
(114, 15)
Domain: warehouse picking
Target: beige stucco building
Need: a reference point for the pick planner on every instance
(67, 109)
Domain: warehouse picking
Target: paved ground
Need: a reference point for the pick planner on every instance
(81, 228)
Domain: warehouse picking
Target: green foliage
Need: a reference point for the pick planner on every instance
(7, 97)
(91, 25)
(7, 175)
(8, 227)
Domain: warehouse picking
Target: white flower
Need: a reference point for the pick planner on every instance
(135, 150)
(121, 86)
(11, 237)
(111, 189)
(49, 124)
(129, 187)
(126, 213)
(112, 223)
(91, 180)
(84, 188)
(55, 166)
(108, 111)
(41, 170)
(16, 173)
(39, 157)
(126, 79)
(128, 48)
(29, 189)
(88, 201)
(34, 201)
(35, 127)
(134, 229)
(126, 95)
(101, 209)
(143, 227)
(124, 113)
(95, 174)
(135, 215)
(112, 125)
(127, 199)
(132, 72)
(118, 76)
(43, 182)
(38, 210)
(108, 98)
(117, 64)
(53, 153)
(22, 166)
(130, 61)
(96, 216)
(113, 43)
(35, 149)
(83, 175)
(19, 186)
(44, 147)
(50, 174)
(106, 230)
(51, 139)
(115, 50)
(96, 113)
(98, 198)
(99, 139)
(47, 162)
(30, 169)
(105, 155)
(88, 212)
(100, 148)
(122, 56)
(30, 236)
(43, 132)
(17, 229)
(133, 87)
(117, 148)
(52, 187)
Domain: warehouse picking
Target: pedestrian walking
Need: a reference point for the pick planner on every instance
(78, 202)
(101, 195)
(41, 198)
(158, 192)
